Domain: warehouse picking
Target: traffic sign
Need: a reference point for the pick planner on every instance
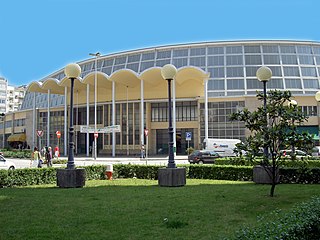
(146, 131)
(39, 133)
(58, 134)
(188, 136)
(96, 135)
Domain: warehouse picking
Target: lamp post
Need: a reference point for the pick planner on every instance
(317, 96)
(71, 177)
(293, 104)
(96, 55)
(168, 72)
(171, 176)
(72, 71)
(264, 74)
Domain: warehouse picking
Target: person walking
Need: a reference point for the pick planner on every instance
(36, 159)
(49, 156)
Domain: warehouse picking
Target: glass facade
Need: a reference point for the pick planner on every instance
(232, 67)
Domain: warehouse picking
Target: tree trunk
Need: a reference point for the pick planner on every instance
(273, 186)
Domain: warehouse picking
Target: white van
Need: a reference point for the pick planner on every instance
(224, 147)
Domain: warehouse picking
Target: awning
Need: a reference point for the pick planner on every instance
(17, 137)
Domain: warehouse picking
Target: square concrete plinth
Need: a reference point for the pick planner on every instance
(172, 177)
(71, 178)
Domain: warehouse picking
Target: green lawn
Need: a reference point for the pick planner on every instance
(139, 209)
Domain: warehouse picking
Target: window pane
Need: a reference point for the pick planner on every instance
(271, 59)
(216, 85)
(291, 71)
(251, 71)
(275, 83)
(311, 83)
(197, 51)
(180, 53)
(254, 84)
(305, 71)
(215, 60)
(198, 61)
(234, 72)
(234, 49)
(305, 59)
(289, 59)
(304, 49)
(216, 72)
(215, 50)
(180, 62)
(134, 58)
(163, 54)
(253, 60)
(270, 49)
(235, 84)
(148, 56)
(293, 83)
(287, 49)
(235, 60)
(252, 49)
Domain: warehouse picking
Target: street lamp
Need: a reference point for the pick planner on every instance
(168, 72)
(71, 177)
(293, 104)
(72, 71)
(318, 100)
(96, 55)
(264, 74)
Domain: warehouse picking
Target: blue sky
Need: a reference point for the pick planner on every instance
(39, 37)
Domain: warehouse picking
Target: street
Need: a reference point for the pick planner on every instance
(86, 161)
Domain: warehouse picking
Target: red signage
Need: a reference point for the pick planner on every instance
(96, 135)
(39, 133)
(58, 134)
(146, 131)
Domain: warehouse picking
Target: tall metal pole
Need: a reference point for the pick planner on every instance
(95, 108)
(171, 163)
(70, 164)
(265, 150)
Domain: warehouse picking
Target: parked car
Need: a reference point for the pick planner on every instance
(298, 153)
(316, 151)
(203, 156)
(5, 164)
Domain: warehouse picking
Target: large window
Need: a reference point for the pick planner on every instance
(185, 111)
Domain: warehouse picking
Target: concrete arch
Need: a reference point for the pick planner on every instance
(126, 77)
(103, 80)
(78, 85)
(191, 73)
(152, 76)
(52, 84)
(36, 87)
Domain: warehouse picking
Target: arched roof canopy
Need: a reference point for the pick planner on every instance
(53, 85)
(185, 74)
(152, 76)
(126, 77)
(103, 79)
(78, 85)
(36, 87)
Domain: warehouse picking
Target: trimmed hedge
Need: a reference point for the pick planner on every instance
(35, 176)
(301, 223)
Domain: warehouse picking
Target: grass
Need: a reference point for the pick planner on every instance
(139, 209)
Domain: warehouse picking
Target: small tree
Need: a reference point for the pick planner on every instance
(273, 129)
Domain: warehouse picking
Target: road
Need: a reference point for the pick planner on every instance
(84, 161)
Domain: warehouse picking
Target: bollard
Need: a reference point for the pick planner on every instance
(109, 172)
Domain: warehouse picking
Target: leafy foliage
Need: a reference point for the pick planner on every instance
(302, 222)
(272, 128)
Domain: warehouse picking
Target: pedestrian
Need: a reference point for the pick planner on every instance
(49, 156)
(36, 159)
(56, 153)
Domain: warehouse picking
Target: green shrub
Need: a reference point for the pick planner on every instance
(301, 223)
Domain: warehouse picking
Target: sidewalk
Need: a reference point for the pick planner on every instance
(128, 158)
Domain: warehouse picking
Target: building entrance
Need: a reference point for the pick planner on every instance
(162, 140)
